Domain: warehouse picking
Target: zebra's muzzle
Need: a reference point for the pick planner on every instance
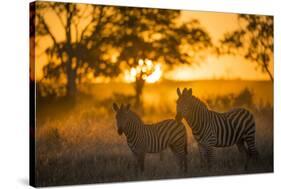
(120, 132)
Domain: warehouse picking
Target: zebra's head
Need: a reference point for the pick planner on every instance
(121, 116)
(183, 103)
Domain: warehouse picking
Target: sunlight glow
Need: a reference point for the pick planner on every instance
(213, 68)
(149, 72)
(156, 75)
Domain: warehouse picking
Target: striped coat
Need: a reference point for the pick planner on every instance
(213, 129)
(153, 138)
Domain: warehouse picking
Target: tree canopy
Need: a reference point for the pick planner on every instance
(158, 35)
(83, 52)
(105, 40)
(253, 40)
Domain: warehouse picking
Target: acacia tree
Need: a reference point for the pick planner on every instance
(159, 36)
(253, 40)
(91, 34)
(83, 48)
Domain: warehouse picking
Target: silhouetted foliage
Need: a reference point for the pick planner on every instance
(105, 40)
(159, 36)
(83, 51)
(243, 99)
(253, 40)
(32, 21)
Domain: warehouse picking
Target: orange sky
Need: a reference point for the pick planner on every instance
(228, 67)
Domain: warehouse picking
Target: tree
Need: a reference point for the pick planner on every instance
(253, 40)
(82, 51)
(159, 36)
(99, 40)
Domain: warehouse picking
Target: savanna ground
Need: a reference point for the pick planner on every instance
(79, 144)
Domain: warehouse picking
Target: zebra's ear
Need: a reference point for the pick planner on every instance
(115, 107)
(185, 92)
(179, 92)
(189, 92)
(127, 107)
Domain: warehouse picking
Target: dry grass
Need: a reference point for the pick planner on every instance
(78, 144)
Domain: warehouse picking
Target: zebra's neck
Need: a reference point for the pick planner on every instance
(134, 123)
(196, 115)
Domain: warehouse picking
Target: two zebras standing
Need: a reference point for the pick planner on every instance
(210, 129)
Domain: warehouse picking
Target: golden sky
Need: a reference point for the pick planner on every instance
(227, 67)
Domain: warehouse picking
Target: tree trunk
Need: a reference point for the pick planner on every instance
(71, 80)
(70, 68)
(139, 84)
(267, 71)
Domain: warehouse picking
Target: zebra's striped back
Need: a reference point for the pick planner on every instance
(150, 138)
(153, 138)
(214, 128)
(160, 135)
(236, 124)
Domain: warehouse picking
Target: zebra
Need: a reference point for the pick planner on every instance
(213, 129)
(151, 138)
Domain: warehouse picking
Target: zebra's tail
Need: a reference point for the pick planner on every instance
(251, 140)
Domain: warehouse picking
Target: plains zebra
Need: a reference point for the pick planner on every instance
(212, 129)
(153, 138)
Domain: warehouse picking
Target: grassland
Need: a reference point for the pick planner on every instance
(79, 143)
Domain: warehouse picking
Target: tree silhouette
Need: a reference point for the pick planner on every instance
(105, 40)
(83, 49)
(253, 40)
(159, 36)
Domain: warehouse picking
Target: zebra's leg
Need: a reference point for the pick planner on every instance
(210, 157)
(252, 149)
(251, 143)
(243, 150)
(180, 154)
(203, 155)
(185, 163)
(161, 156)
(140, 161)
(141, 158)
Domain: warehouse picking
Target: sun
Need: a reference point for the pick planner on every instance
(156, 75)
(149, 72)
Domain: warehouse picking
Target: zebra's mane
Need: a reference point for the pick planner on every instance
(201, 103)
(136, 116)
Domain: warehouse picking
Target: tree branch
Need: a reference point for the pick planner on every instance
(58, 15)
(265, 65)
(41, 18)
(88, 25)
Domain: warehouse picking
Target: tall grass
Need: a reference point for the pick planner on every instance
(79, 143)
